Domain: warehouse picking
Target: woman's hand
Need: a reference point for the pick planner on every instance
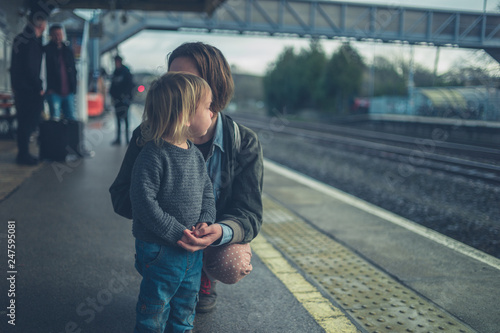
(200, 237)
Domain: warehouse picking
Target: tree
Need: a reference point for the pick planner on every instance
(291, 83)
(341, 79)
(388, 78)
(423, 77)
(310, 66)
(465, 76)
(280, 90)
(479, 69)
(391, 77)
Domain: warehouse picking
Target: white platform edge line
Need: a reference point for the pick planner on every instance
(384, 214)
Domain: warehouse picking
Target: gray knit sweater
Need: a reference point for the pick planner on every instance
(170, 192)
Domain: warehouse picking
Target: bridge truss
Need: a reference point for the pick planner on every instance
(322, 19)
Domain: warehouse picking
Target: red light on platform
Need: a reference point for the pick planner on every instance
(140, 88)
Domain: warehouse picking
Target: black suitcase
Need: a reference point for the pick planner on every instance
(75, 137)
(57, 139)
(53, 139)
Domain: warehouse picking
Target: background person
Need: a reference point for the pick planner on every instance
(121, 91)
(101, 87)
(26, 62)
(61, 75)
(234, 162)
(170, 193)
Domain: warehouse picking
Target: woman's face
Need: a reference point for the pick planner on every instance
(201, 121)
(184, 64)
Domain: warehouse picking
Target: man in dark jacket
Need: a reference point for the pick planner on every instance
(61, 75)
(121, 92)
(26, 61)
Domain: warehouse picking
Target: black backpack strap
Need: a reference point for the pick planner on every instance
(237, 137)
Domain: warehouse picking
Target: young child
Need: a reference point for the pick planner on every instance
(170, 193)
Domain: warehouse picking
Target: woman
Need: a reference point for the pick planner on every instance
(233, 156)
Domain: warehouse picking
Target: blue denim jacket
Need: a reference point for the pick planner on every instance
(214, 168)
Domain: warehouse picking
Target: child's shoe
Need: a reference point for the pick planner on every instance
(208, 295)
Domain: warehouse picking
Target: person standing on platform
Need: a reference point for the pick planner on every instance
(61, 75)
(101, 87)
(171, 195)
(26, 62)
(121, 92)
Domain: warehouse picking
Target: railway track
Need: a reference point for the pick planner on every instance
(469, 161)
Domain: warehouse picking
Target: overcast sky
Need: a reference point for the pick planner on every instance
(147, 50)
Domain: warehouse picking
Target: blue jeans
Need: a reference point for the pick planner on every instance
(64, 103)
(168, 295)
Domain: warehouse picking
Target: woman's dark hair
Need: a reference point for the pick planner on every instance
(212, 67)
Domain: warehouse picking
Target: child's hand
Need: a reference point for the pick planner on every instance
(187, 238)
(199, 230)
(200, 237)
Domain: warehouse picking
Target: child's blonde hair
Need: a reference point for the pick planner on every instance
(171, 102)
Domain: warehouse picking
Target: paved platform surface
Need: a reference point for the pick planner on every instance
(386, 273)
(74, 259)
(12, 175)
(320, 263)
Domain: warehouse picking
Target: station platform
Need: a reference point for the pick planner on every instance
(324, 261)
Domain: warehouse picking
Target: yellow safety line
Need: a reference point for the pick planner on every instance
(330, 318)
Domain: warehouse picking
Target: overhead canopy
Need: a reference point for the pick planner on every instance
(494, 53)
(207, 6)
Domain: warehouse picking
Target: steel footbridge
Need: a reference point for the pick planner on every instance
(317, 19)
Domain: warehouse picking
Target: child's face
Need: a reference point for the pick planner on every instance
(202, 119)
